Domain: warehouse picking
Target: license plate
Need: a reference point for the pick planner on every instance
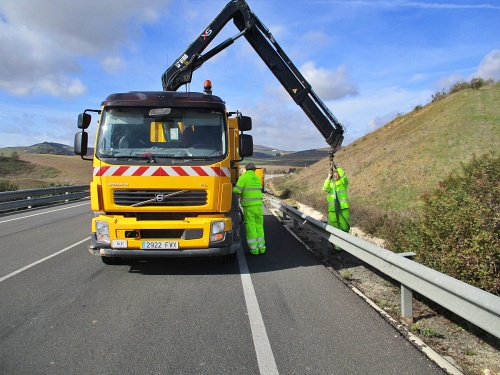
(119, 244)
(160, 245)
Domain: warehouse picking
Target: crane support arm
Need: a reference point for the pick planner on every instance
(262, 41)
(181, 71)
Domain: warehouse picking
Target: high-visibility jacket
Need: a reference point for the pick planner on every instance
(250, 189)
(337, 191)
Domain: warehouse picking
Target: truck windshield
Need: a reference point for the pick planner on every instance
(133, 132)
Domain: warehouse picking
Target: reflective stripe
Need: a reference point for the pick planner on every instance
(252, 240)
(251, 199)
(340, 200)
(248, 189)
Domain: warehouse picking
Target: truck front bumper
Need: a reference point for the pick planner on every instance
(228, 246)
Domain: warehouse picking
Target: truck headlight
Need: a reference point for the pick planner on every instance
(102, 231)
(217, 231)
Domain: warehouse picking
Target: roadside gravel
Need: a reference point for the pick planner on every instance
(434, 330)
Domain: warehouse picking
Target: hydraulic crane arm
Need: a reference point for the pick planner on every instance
(262, 41)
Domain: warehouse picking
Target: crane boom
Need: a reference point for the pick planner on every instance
(263, 42)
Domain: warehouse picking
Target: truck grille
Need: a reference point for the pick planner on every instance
(156, 198)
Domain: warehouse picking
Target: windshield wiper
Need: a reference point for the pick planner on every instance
(200, 157)
(148, 156)
(185, 157)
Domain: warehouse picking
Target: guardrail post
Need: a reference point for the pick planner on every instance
(324, 246)
(407, 304)
(407, 295)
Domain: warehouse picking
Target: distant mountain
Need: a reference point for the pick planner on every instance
(264, 151)
(260, 152)
(268, 156)
(318, 153)
(49, 148)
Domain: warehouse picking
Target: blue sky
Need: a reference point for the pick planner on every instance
(368, 60)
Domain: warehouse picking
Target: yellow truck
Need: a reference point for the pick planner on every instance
(164, 166)
(165, 162)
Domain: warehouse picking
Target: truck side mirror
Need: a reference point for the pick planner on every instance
(246, 145)
(80, 147)
(84, 120)
(245, 123)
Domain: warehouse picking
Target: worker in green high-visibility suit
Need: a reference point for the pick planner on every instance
(338, 205)
(249, 189)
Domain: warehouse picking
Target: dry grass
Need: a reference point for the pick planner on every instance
(393, 166)
(66, 170)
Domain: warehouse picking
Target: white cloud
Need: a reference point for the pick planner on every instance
(380, 121)
(41, 124)
(113, 64)
(489, 68)
(61, 86)
(41, 41)
(444, 83)
(329, 84)
(280, 123)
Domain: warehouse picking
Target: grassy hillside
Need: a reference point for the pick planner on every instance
(32, 171)
(393, 166)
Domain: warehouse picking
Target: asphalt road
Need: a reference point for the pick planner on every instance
(63, 311)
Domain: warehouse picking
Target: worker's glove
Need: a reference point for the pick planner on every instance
(330, 175)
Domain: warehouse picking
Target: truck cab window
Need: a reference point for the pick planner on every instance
(130, 131)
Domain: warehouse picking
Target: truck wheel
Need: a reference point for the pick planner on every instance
(111, 260)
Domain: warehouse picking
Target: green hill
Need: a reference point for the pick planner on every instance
(50, 148)
(393, 166)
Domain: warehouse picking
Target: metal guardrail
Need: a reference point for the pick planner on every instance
(473, 304)
(10, 200)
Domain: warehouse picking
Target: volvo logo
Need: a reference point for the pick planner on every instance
(159, 197)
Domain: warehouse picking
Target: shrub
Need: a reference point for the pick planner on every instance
(475, 84)
(458, 230)
(438, 96)
(459, 86)
(5, 185)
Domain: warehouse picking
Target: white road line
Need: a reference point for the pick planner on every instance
(45, 212)
(42, 260)
(265, 356)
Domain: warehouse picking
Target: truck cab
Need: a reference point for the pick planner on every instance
(164, 166)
